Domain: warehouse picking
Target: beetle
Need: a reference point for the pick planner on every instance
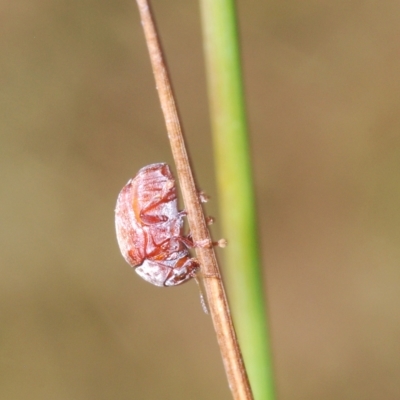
(150, 228)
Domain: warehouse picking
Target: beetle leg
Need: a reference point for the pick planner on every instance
(203, 196)
(210, 220)
(204, 244)
(187, 240)
(152, 219)
(220, 243)
(160, 250)
(164, 196)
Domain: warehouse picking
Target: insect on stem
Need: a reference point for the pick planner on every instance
(149, 228)
(218, 305)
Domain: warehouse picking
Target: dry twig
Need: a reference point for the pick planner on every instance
(219, 310)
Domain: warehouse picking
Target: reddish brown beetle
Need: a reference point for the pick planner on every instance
(149, 228)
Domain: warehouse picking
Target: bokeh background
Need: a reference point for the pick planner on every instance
(79, 117)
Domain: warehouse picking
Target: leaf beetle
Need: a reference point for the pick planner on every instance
(150, 228)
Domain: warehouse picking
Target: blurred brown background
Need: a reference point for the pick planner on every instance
(80, 116)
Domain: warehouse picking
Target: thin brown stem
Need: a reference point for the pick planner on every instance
(219, 309)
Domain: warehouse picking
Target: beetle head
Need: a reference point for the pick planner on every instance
(168, 273)
(181, 274)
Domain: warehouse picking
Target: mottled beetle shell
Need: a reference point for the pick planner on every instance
(149, 228)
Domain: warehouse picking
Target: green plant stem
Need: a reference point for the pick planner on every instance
(236, 193)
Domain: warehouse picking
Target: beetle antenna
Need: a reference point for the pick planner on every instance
(203, 302)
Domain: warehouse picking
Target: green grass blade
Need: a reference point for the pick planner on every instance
(236, 193)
